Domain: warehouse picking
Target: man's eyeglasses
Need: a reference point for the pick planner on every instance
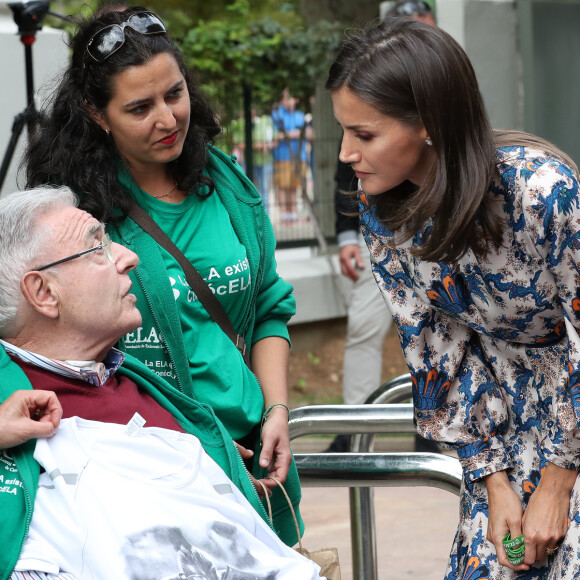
(111, 38)
(105, 246)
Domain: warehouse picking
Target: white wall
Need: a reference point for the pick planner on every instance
(321, 291)
(488, 32)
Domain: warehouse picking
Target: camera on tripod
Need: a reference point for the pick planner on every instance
(29, 15)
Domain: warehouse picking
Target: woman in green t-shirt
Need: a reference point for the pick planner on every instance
(127, 123)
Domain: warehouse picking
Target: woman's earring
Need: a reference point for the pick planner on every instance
(107, 132)
(429, 142)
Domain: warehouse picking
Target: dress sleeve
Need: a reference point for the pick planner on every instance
(552, 215)
(456, 398)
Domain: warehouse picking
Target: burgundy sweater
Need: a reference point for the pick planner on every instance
(114, 402)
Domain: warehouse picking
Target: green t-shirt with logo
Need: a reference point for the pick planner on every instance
(202, 230)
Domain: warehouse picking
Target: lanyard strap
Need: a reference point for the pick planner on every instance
(194, 279)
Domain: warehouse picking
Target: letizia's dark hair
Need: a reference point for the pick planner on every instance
(417, 73)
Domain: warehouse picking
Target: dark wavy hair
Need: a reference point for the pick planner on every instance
(69, 148)
(417, 73)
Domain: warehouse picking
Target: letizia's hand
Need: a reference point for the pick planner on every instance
(505, 515)
(545, 520)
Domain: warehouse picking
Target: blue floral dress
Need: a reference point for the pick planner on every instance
(493, 347)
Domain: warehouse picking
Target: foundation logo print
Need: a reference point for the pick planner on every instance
(176, 292)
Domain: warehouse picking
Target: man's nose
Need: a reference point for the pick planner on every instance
(125, 259)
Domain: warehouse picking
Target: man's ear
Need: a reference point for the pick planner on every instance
(96, 116)
(40, 293)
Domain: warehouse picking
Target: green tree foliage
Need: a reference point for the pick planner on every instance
(263, 45)
(70, 8)
(267, 54)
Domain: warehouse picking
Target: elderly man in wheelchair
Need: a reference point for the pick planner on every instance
(135, 481)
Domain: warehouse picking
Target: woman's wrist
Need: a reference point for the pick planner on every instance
(276, 409)
(558, 479)
(497, 482)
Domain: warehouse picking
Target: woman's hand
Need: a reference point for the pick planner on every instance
(276, 455)
(545, 520)
(351, 261)
(246, 453)
(505, 515)
(28, 414)
(270, 364)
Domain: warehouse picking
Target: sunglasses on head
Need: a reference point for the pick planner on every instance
(111, 38)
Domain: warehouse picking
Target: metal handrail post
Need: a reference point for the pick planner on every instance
(363, 529)
(363, 533)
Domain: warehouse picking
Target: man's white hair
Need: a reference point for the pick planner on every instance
(22, 240)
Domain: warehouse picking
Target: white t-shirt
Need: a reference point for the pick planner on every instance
(146, 504)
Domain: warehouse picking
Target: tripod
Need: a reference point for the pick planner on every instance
(28, 15)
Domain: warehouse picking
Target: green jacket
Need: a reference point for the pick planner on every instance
(272, 303)
(271, 306)
(19, 472)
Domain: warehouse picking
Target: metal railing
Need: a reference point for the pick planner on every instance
(361, 470)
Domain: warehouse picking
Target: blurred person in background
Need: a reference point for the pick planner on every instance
(290, 154)
(262, 145)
